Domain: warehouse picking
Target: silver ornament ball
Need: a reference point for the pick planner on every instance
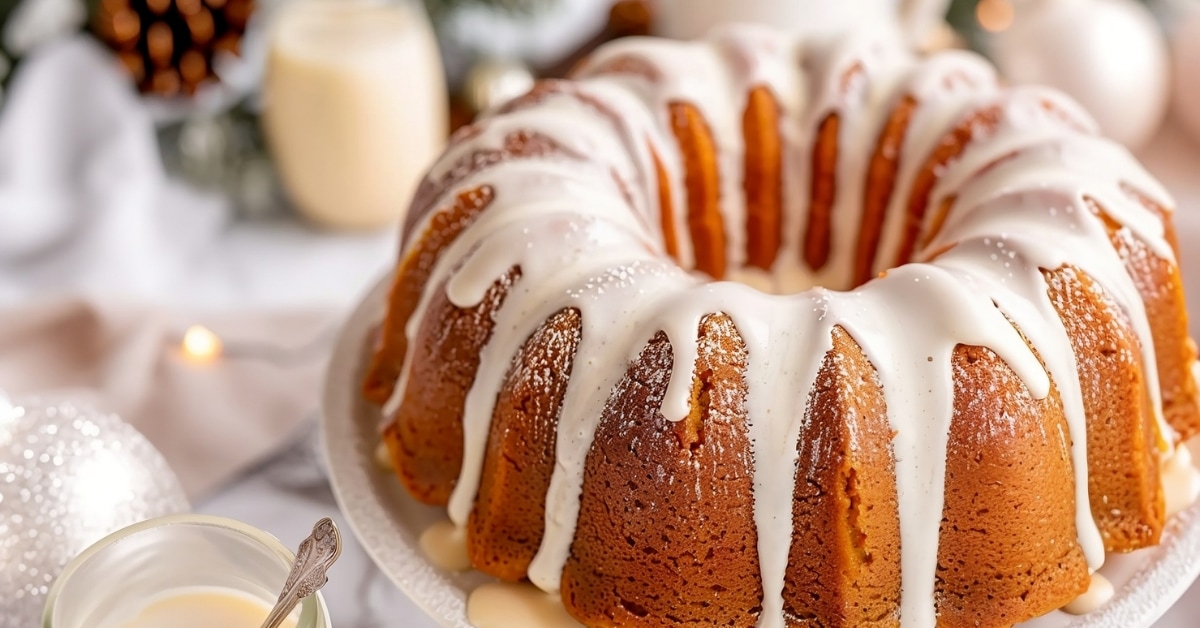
(68, 477)
(1109, 55)
(493, 82)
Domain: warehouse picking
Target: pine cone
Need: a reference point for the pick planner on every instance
(168, 45)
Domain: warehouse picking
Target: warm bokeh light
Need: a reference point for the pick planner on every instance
(994, 15)
(201, 345)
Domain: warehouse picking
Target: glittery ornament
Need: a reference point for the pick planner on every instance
(68, 477)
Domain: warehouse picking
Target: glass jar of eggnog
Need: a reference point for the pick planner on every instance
(182, 571)
(354, 107)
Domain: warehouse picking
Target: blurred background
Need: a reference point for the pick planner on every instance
(193, 193)
(215, 153)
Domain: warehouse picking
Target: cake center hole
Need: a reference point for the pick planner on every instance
(780, 282)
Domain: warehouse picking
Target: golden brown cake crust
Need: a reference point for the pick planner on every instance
(666, 534)
(425, 437)
(1160, 285)
(844, 561)
(411, 276)
(881, 183)
(506, 526)
(517, 145)
(1124, 484)
(763, 178)
(977, 124)
(702, 178)
(818, 233)
(666, 206)
(1007, 549)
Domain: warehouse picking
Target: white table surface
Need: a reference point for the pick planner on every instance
(286, 494)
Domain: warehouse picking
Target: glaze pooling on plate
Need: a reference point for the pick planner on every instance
(445, 545)
(516, 605)
(1099, 592)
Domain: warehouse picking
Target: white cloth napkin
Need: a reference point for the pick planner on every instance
(84, 201)
(105, 260)
(211, 420)
(87, 208)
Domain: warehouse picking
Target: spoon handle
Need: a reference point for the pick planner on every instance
(317, 552)
(280, 612)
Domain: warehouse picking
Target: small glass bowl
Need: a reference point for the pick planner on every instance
(122, 573)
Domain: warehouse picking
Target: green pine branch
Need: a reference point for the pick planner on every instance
(438, 9)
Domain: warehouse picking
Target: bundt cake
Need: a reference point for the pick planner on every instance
(809, 333)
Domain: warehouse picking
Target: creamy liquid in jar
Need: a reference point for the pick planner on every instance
(355, 108)
(204, 607)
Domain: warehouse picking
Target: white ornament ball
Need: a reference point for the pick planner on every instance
(69, 476)
(1185, 54)
(1109, 55)
(493, 82)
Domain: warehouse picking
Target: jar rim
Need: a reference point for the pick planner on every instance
(262, 537)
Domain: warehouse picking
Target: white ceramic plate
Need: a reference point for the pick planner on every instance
(389, 523)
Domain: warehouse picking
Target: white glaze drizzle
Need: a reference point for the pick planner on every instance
(580, 244)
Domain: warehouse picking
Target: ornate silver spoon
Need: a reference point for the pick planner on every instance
(316, 554)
